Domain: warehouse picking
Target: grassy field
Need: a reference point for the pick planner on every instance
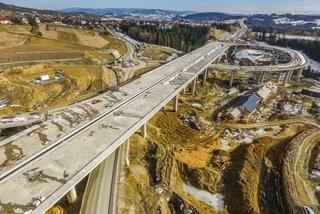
(67, 36)
(157, 53)
(220, 34)
(71, 34)
(23, 29)
(36, 48)
(9, 40)
(115, 44)
(144, 70)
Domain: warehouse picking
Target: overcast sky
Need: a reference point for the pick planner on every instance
(233, 6)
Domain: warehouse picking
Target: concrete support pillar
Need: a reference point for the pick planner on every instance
(185, 90)
(299, 74)
(287, 77)
(232, 78)
(72, 196)
(128, 153)
(263, 77)
(194, 85)
(144, 132)
(258, 77)
(205, 76)
(290, 74)
(279, 76)
(175, 103)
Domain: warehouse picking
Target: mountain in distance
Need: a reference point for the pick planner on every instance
(129, 12)
(208, 16)
(10, 7)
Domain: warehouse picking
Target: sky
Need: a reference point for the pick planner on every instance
(231, 6)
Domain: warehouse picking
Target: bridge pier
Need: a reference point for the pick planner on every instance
(128, 153)
(290, 74)
(263, 77)
(299, 74)
(175, 103)
(205, 76)
(72, 196)
(287, 77)
(232, 78)
(194, 85)
(279, 77)
(258, 77)
(184, 90)
(143, 130)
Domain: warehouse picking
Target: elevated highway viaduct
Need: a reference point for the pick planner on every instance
(38, 168)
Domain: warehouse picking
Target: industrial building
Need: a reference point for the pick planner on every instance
(246, 104)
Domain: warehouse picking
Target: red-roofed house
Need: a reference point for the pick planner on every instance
(5, 20)
(56, 21)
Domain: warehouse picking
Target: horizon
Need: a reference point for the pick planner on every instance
(249, 7)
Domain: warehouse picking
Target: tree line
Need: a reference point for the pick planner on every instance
(179, 36)
(277, 37)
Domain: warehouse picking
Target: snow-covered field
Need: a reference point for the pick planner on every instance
(314, 65)
(285, 20)
(254, 56)
(246, 136)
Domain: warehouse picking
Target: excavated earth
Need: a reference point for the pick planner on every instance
(186, 166)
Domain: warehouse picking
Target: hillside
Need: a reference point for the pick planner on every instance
(210, 16)
(129, 12)
(15, 8)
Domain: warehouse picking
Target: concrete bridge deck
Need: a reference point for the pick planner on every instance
(48, 162)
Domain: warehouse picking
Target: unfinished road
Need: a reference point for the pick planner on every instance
(46, 163)
(298, 191)
(269, 123)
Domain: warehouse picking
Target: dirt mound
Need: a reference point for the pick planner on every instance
(250, 180)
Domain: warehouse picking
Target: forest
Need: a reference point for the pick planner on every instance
(179, 36)
(277, 37)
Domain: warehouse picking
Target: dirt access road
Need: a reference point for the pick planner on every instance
(298, 188)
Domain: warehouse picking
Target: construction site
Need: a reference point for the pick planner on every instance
(86, 62)
(192, 162)
(245, 138)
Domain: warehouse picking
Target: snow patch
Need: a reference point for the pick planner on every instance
(214, 200)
